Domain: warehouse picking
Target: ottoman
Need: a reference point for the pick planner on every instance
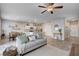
(10, 51)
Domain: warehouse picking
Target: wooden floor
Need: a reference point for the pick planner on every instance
(64, 45)
(74, 50)
(3, 41)
(71, 45)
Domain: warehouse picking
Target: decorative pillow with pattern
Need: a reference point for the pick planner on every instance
(23, 38)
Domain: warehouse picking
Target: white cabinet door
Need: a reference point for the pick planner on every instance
(74, 31)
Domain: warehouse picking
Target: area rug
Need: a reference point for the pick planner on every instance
(48, 50)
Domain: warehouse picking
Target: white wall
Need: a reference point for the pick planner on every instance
(21, 26)
(48, 27)
(6, 26)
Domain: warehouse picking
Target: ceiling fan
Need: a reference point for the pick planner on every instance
(50, 7)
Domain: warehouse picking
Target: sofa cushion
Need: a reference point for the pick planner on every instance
(23, 38)
(34, 43)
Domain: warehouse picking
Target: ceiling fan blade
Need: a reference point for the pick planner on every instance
(43, 11)
(42, 6)
(51, 3)
(58, 7)
(51, 12)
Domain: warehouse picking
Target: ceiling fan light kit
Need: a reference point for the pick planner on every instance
(50, 8)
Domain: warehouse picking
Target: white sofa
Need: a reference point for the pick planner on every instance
(24, 48)
(29, 46)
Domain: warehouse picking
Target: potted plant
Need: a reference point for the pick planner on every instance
(60, 30)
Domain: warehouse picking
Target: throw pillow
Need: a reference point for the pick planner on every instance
(39, 35)
(31, 38)
(29, 33)
(23, 38)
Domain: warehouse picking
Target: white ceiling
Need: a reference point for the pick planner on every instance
(31, 12)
